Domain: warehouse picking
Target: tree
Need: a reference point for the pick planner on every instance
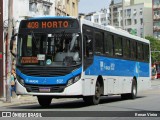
(155, 48)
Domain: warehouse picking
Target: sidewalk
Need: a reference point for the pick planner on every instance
(19, 100)
(27, 99)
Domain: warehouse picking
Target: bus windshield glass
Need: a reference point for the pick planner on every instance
(56, 49)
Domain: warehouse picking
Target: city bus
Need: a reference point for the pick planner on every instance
(63, 57)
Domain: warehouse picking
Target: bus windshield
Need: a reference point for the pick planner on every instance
(56, 49)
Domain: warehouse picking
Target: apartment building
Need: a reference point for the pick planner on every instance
(133, 19)
(30, 8)
(137, 16)
(156, 18)
(66, 7)
(100, 17)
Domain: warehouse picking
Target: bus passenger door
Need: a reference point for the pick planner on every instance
(87, 51)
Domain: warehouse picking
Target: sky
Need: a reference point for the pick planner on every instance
(87, 6)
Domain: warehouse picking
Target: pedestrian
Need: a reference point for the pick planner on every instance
(13, 77)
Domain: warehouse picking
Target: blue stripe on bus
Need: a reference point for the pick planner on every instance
(117, 67)
(48, 80)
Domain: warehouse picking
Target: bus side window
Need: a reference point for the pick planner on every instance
(146, 53)
(118, 46)
(109, 39)
(126, 48)
(99, 42)
(133, 50)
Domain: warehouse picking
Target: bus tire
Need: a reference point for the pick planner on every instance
(44, 101)
(95, 99)
(133, 93)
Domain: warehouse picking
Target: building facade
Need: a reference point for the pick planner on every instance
(100, 17)
(66, 7)
(156, 18)
(136, 15)
(133, 19)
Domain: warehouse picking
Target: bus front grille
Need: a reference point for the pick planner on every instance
(46, 89)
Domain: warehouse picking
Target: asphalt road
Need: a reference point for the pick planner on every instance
(146, 101)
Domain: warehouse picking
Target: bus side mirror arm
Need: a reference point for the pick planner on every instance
(11, 44)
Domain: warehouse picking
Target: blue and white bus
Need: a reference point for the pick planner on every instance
(61, 57)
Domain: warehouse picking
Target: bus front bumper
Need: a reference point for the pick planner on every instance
(72, 90)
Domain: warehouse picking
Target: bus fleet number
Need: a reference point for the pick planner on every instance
(33, 25)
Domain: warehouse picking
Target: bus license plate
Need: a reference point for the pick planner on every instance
(44, 89)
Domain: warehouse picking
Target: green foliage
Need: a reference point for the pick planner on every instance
(155, 47)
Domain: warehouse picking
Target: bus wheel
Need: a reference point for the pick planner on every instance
(94, 100)
(44, 101)
(133, 93)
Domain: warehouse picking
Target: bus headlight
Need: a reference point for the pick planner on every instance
(20, 80)
(73, 80)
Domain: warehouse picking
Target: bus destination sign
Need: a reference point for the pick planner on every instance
(45, 24)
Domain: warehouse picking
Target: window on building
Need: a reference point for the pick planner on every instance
(141, 20)
(129, 22)
(135, 21)
(73, 5)
(46, 9)
(32, 6)
(129, 12)
(67, 1)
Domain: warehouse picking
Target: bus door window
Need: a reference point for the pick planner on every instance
(88, 47)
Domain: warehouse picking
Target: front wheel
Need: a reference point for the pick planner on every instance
(44, 101)
(95, 99)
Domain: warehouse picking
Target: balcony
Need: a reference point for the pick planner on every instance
(156, 7)
(156, 28)
(156, 17)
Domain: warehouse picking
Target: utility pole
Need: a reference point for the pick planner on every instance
(1, 48)
(9, 62)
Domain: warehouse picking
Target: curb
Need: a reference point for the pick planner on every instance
(15, 101)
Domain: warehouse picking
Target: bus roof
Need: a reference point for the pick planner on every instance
(114, 30)
(50, 17)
